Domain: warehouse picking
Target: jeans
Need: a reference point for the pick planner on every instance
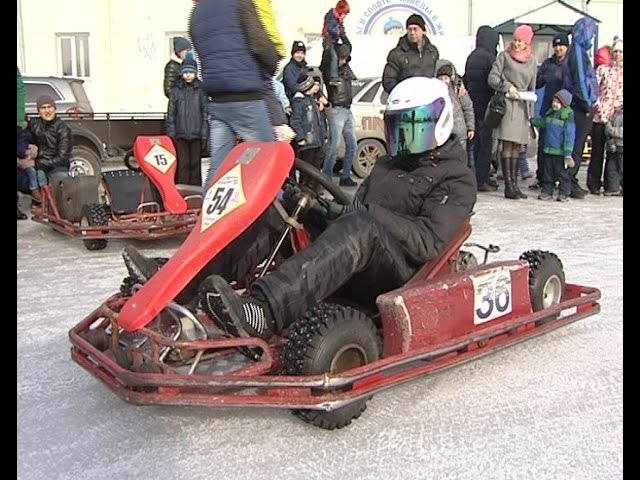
(30, 179)
(232, 121)
(341, 123)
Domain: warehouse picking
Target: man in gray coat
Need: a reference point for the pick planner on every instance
(414, 56)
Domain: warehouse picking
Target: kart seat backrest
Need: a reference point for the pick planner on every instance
(125, 189)
(443, 262)
(72, 193)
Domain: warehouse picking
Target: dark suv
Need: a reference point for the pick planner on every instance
(68, 93)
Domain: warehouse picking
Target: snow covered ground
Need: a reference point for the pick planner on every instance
(549, 408)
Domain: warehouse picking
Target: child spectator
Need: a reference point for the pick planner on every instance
(613, 167)
(27, 153)
(558, 141)
(187, 123)
(333, 34)
(307, 123)
(463, 115)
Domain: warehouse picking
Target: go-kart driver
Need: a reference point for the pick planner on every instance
(403, 215)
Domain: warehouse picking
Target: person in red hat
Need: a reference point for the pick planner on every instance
(333, 34)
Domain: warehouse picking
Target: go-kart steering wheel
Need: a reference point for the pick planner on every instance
(316, 175)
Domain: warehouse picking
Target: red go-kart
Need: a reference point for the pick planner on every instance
(141, 202)
(151, 350)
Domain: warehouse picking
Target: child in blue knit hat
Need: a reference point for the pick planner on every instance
(187, 123)
(559, 138)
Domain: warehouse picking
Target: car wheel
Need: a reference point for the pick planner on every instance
(94, 214)
(84, 161)
(546, 278)
(331, 339)
(366, 155)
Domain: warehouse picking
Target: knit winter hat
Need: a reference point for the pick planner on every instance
(617, 46)
(524, 33)
(446, 69)
(305, 82)
(416, 19)
(298, 46)
(560, 38)
(564, 97)
(45, 100)
(180, 44)
(188, 65)
(342, 7)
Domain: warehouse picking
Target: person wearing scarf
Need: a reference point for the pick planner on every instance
(609, 101)
(514, 72)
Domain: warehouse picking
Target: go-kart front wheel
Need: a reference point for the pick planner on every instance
(331, 339)
(546, 278)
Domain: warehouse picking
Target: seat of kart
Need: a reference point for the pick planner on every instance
(125, 188)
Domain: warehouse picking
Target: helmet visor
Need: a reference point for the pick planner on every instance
(413, 130)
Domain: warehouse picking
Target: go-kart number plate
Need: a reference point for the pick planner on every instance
(223, 197)
(492, 296)
(160, 158)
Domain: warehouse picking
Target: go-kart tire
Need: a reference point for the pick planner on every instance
(94, 214)
(331, 338)
(366, 155)
(465, 260)
(126, 287)
(546, 278)
(84, 161)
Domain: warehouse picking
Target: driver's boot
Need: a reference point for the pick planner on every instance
(239, 316)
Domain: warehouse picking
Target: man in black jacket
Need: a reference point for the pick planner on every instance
(414, 56)
(181, 47)
(404, 214)
(476, 75)
(342, 123)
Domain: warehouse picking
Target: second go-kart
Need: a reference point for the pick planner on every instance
(149, 349)
(141, 202)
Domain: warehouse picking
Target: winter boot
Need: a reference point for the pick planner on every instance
(513, 173)
(239, 316)
(36, 195)
(509, 192)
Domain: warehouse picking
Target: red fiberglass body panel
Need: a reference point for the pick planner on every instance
(156, 156)
(430, 314)
(242, 189)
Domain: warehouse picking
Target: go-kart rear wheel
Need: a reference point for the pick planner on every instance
(94, 214)
(331, 338)
(546, 278)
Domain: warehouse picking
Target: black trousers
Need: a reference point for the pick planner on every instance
(353, 258)
(554, 171)
(189, 169)
(583, 128)
(482, 150)
(313, 156)
(596, 162)
(613, 171)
